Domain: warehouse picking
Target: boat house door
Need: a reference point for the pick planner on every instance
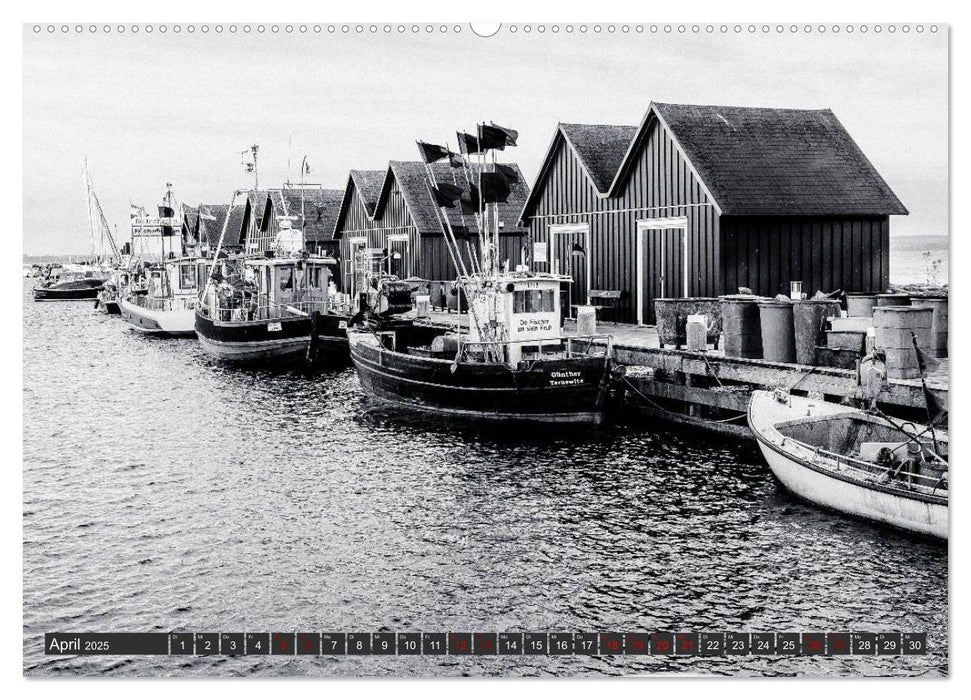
(398, 255)
(662, 263)
(570, 255)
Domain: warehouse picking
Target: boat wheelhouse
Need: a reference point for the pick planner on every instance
(855, 462)
(161, 298)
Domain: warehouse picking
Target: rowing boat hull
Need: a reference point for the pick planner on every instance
(174, 323)
(795, 467)
(272, 341)
(550, 391)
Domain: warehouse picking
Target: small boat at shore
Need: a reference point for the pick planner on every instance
(70, 283)
(161, 299)
(855, 462)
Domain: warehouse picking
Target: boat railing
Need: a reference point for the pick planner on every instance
(878, 473)
(178, 303)
(263, 309)
(572, 346)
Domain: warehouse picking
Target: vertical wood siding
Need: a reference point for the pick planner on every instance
(827, 253)
(660, 185)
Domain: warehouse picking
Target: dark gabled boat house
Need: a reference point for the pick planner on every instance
(702, 200)
(393, 211)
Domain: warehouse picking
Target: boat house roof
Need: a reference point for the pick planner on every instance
(750, 160)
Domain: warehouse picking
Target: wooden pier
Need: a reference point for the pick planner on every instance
(711, 391)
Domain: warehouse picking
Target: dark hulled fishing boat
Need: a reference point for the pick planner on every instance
(271, 308)
(556, 380)
(513, 363)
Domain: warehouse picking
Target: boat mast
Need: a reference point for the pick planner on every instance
(215, 257)
(105, 228)
(87, 195)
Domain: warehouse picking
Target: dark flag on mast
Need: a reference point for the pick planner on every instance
(496, 137)
(165, 212)
(432, 153)
(511, 174)
(447, 195)
(468, 143)
(494, 187)
(511, 134)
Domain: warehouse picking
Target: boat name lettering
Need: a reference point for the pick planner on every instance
(534, 325)
(560, 377)
(274, 326)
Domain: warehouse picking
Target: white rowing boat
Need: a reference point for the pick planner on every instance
(855, 462)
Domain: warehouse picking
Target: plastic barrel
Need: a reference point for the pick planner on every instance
(778, 336)
(741, 326)
(938, 342)
(586, 320)
(893, 299)
(860, 305)
(809, 324)
(893, 326)
(423, 306)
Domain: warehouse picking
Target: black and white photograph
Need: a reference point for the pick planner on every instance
(520, 349)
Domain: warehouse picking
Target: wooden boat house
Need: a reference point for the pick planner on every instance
(391, 217)
(702, 200)
(317, 211)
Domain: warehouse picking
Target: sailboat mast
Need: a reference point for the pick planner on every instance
(87, 195)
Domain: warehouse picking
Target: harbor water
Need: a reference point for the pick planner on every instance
(164, 491)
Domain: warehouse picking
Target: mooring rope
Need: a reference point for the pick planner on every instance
(675, 413)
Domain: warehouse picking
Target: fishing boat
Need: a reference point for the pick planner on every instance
(161, 298)
(855, 462)
(512, 361)
(272, 307)
(272, 310)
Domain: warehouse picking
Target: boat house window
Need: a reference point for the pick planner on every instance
(532, 301)
(185, 276)
(286, 278)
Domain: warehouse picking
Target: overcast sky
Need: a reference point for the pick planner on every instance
(148, 109)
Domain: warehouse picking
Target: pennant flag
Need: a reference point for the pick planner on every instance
(447, 195)
(306, 167)
(468, 143)
(455, 160)
(491, 137)
(165, 212)
(511, 134)
(925, 361)
(431, 153)
(137, 211)
(206, 214)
